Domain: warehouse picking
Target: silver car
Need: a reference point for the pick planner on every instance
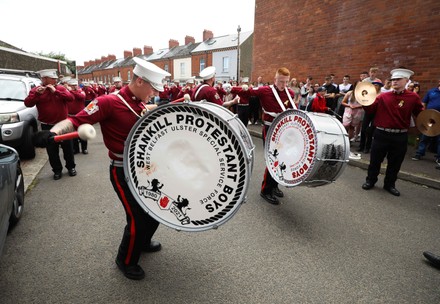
(17, 122)
(11, 191)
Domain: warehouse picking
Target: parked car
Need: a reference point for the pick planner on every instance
(11, 191)
(18, 123)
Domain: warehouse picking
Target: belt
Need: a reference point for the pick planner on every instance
(392, 130)
(242, 104)
(116, 163)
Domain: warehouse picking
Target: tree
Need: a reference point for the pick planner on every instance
(71, 64)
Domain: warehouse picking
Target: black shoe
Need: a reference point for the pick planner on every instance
(57, 175)
(133, 272)
(153, 247)
(367, 185)
(278, 192)
(270, 198)
(416, 157)
(72, 172)
(366, 151)
(85, 152)
(392, 190)
(434, 259)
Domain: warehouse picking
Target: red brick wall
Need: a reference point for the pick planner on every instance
(347, 37)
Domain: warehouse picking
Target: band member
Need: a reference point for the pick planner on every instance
(117, 113)
(393, 111)
(101, 88)
(175, 90)
(243, 102)
(274, 100)
(90, 93)
(75, 107)
(206, 91)
(51, 101)
(187, 89)
(117, 85)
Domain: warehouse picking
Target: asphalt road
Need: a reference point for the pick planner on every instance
(332, 244)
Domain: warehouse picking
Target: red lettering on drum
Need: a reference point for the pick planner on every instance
(300, 172)
(280, 124)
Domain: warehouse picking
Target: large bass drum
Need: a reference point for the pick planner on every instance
(189, 165)
(306, 148)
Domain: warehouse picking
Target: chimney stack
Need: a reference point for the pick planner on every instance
(127, 54)
(189, 39)
(137, 51)
(172, 43)
(207, 35)
(148, 50)
(111, 57)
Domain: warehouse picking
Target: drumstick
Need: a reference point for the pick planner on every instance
(336, 114)
(185, 98)
(85, 132)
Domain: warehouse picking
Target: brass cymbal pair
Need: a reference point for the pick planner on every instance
(428, 121)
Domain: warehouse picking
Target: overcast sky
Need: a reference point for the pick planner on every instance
(86, 30)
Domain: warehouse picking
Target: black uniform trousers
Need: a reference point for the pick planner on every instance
(243, 114)
(268, 183)
(53, 151)
(391, 145)
(254, 109)
(140, 226)
(76, 142)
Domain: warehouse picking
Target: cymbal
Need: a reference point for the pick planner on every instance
(365, 93)
(428, 122)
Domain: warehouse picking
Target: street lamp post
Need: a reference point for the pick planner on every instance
(238, 53)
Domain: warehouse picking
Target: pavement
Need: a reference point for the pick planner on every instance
(421, 172)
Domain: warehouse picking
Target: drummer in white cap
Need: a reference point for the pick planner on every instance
(117, 113)
(117, 85)
(206, 90)
(393, 111)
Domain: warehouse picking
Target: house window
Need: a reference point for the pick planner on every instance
(166, 67)
(202, 64)
(128, 76)
(182, 69)
(225, 64)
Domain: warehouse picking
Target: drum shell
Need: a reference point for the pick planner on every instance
(313, 148)
(191, 187)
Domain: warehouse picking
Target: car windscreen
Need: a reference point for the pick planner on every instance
(12, 89)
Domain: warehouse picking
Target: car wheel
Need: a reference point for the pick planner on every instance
(17, 208)
(27, 149)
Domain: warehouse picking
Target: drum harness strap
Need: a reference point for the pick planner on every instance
(198, 90)
(131, 109)
(119, 163)
(275, 93)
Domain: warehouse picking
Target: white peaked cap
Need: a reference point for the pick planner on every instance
(207, 73)
(401, 73)
(116, 79)
(65, 79)
(150, 72)
(51, 73)
(190, 80)
(73, 81)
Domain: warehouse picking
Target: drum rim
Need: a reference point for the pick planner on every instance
(247, 176)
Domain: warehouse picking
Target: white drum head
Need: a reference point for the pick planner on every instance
(186, 167)
(290, 148)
